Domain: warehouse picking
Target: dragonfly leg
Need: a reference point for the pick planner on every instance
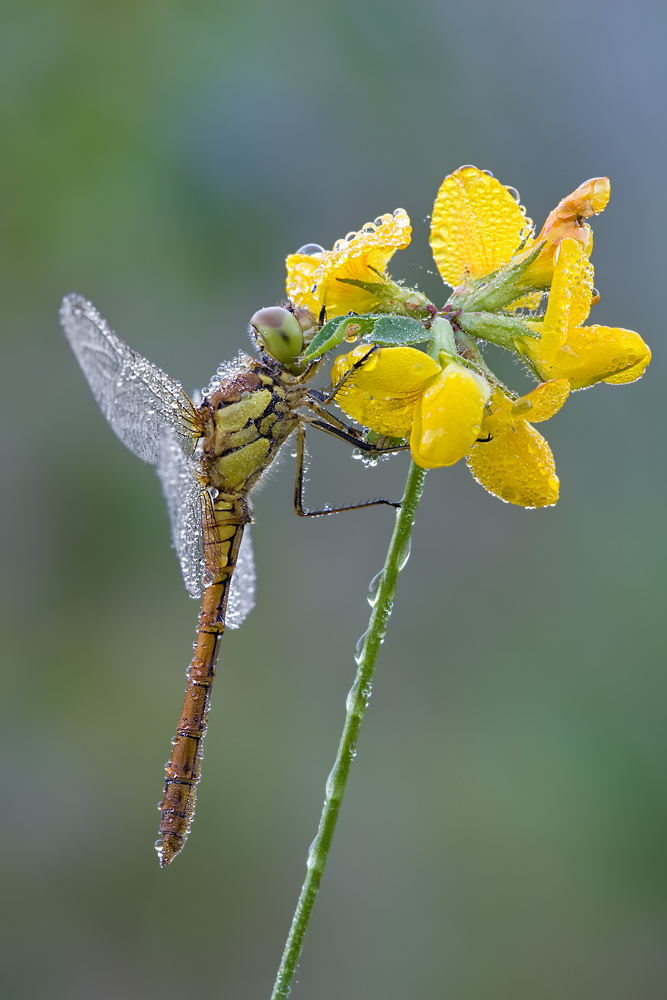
(330, 396)
(300, 463)
(315, 404)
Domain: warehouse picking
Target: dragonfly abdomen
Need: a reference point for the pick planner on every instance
(184, 768)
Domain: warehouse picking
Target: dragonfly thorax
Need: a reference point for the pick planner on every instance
(247, 418)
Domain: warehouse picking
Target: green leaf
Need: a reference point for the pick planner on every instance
(396, 331)
(333, 333)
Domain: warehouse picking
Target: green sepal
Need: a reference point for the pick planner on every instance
(496, 328)
(380, 289)
(441, 339)
(396, 331)
(500, 288)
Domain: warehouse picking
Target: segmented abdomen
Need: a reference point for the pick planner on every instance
(184, 769)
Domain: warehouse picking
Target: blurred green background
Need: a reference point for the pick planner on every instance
(504, 834)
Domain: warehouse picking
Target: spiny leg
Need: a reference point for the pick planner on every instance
(328, 397)
(300, 461)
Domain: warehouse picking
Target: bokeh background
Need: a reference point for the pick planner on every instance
(505, 829)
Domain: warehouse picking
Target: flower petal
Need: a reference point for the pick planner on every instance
(448, 417)
(569, 304)
(363, 257)
(540, 404)
(588, 199)
(565, 222)
(476, 225)
(593, 354)
(382, 393)
(301, 270)
(517, 466)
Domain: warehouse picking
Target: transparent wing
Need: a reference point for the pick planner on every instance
(135, 396)
(241, 599)
(190, 512)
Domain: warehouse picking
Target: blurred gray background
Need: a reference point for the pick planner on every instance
(505, 829)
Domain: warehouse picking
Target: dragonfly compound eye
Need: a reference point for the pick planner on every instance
(279, 332)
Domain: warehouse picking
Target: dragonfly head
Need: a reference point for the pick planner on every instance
(279, 333)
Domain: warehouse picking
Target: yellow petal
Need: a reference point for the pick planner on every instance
(633, 372)
(382, 393)
(589, 199)
(539, 404)
(517, 466)
(594, 354)
(361, 256)
(565, 222)
(569, 304)
(448, 417)
(301, 270)
(476, 225)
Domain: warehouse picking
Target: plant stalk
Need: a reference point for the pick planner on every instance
(357, 700)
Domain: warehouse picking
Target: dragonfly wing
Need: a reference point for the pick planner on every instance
(190, 512)
(241, 599)
(135, 396)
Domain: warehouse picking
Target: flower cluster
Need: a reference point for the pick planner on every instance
(446, 401)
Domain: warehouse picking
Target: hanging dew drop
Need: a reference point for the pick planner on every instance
(359, 648)
(373, 588)
(293, 453)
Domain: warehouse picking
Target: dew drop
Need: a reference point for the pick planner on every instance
(310, 249)
(174, 740)
(405, 555)
(159, 845)
(359, 648)
(293, 453)
(373, 588)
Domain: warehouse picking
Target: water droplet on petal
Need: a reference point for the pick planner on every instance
(310, 250)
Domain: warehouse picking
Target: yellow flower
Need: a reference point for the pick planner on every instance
(449, 413)
(582, 354)
(515, 463)
(401, 392)
(331, 278)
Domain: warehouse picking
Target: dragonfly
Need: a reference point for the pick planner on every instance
(209, 455)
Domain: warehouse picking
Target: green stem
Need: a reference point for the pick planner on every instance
(356, 703)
